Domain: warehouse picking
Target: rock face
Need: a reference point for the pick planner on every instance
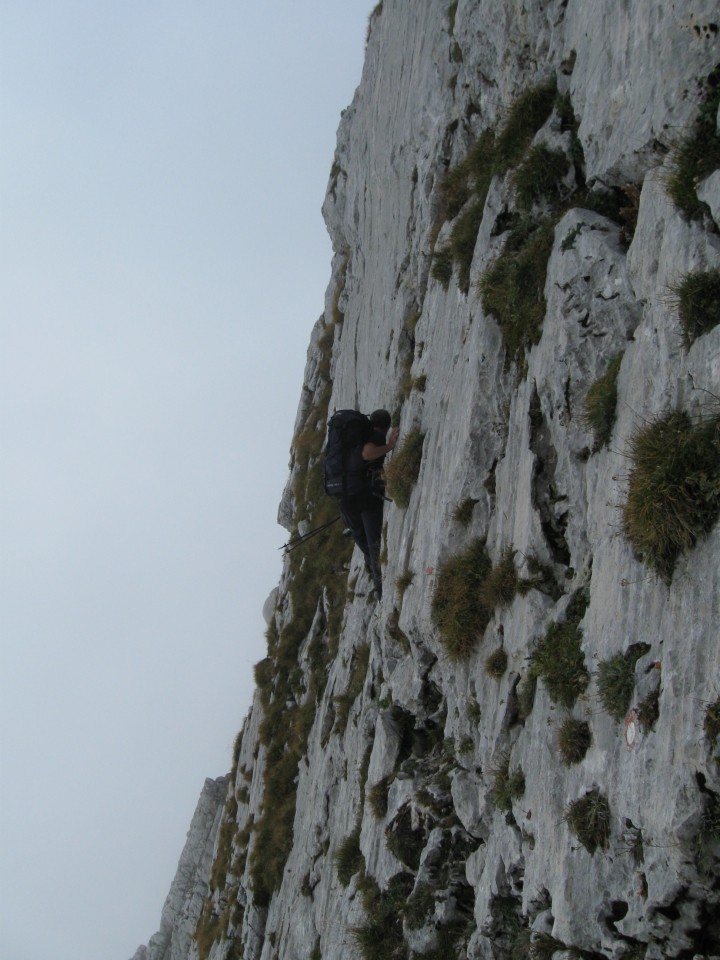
(189, 890)
(515, 752)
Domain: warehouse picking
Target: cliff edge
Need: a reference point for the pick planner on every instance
(516, 752)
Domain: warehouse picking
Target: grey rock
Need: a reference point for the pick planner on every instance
(188, 891)
(431, 731)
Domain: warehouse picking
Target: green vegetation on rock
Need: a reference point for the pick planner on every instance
(457, 609)
(698, 303)
(673, 496)
(558, 658)
(402, 471)
(600, 403)
(697, 153)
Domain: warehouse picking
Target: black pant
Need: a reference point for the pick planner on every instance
(364, 516)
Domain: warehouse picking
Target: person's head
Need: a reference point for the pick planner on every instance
(381, 420)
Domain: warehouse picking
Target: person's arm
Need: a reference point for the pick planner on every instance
(371, 451)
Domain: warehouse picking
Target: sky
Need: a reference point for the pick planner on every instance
(162, 261)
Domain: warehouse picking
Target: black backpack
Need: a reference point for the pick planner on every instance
(344, 471)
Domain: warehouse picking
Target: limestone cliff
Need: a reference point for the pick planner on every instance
(516, 751)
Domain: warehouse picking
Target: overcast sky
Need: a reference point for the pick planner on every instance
(163, 259)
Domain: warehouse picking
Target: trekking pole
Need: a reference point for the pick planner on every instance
(297, 541)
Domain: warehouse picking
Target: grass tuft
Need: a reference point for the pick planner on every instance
(697, 154)
(616, 680)
(349, 858)
(442, 266)
(513, 288)
(403, 581)
(558, 658)
(499, 587)
(698, 303)
(574, 739)
(466, 185)
(380, 936)
(402, 472)
(462, 242)
(420, 906)
(674, 487)
(589, 819)
(405, 841)
(540, 176)
(378, 797)
(496, 664)
(601, 403)
(463, 511)
(506, 786)
(457, 608)
(526, 115)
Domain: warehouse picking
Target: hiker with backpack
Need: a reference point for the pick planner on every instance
(355, 453)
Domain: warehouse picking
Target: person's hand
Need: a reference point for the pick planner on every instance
(393, 438)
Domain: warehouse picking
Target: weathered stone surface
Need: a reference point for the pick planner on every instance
(190, 886)
(401, 770)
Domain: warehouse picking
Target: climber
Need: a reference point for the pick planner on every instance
(363, 512)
